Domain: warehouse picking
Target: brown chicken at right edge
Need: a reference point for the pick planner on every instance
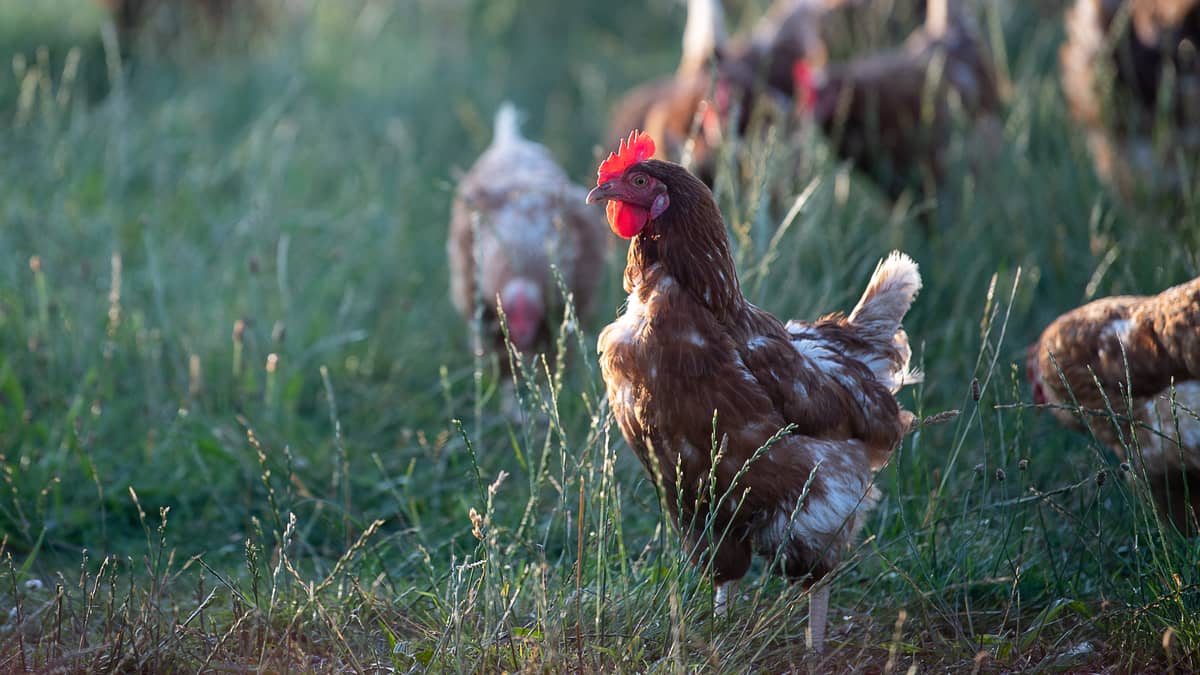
(1156, 397)
(690, 347)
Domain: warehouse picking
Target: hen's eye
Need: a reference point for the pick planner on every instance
(640, 181)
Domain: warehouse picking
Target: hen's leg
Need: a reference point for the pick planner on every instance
(725, 591)
(818, 612)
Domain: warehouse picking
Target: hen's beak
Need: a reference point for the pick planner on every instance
(602, 192)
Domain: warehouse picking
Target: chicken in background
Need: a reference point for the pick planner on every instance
(883, 111)
(804, 413)
(1131, 77)
(689, 113)
(515, 214)
(815, 32)
(668, 107)
(791, 30)
(1145, 354)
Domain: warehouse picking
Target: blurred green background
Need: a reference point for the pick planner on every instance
(297, 184)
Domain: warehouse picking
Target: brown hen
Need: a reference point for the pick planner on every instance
(804, 413)
(1144, 352)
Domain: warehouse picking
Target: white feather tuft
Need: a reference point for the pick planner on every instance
(507, 125)
(888, 297)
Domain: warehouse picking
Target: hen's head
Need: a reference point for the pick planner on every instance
(635, 191)
(524, 311)
(673, 220)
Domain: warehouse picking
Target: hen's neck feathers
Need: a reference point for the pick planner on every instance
(689, 243)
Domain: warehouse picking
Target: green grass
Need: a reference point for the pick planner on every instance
(241, 425)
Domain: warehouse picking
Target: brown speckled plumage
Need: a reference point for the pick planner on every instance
(689, 346)
(1137, 348)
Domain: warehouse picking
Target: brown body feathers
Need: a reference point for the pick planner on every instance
(1145, 354)
(884, 112)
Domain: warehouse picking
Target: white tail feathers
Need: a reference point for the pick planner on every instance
(507, 126)
(888, 297)
(703, 35)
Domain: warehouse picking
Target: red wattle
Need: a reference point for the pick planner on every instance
(626, 219)
(806, 90)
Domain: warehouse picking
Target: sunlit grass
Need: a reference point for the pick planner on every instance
(242, 426)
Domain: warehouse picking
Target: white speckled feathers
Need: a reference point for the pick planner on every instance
(669, 365)
(888, 297)
(528, 215)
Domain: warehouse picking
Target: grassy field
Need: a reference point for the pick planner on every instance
(242, 427)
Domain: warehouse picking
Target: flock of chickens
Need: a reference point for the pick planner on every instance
(765, 435)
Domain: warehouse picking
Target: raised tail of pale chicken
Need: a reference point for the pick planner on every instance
(507, 125)
(878, 314)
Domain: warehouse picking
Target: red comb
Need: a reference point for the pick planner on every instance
(802, 80)
(637, 148)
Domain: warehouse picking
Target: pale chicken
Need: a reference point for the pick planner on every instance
(516, 214)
